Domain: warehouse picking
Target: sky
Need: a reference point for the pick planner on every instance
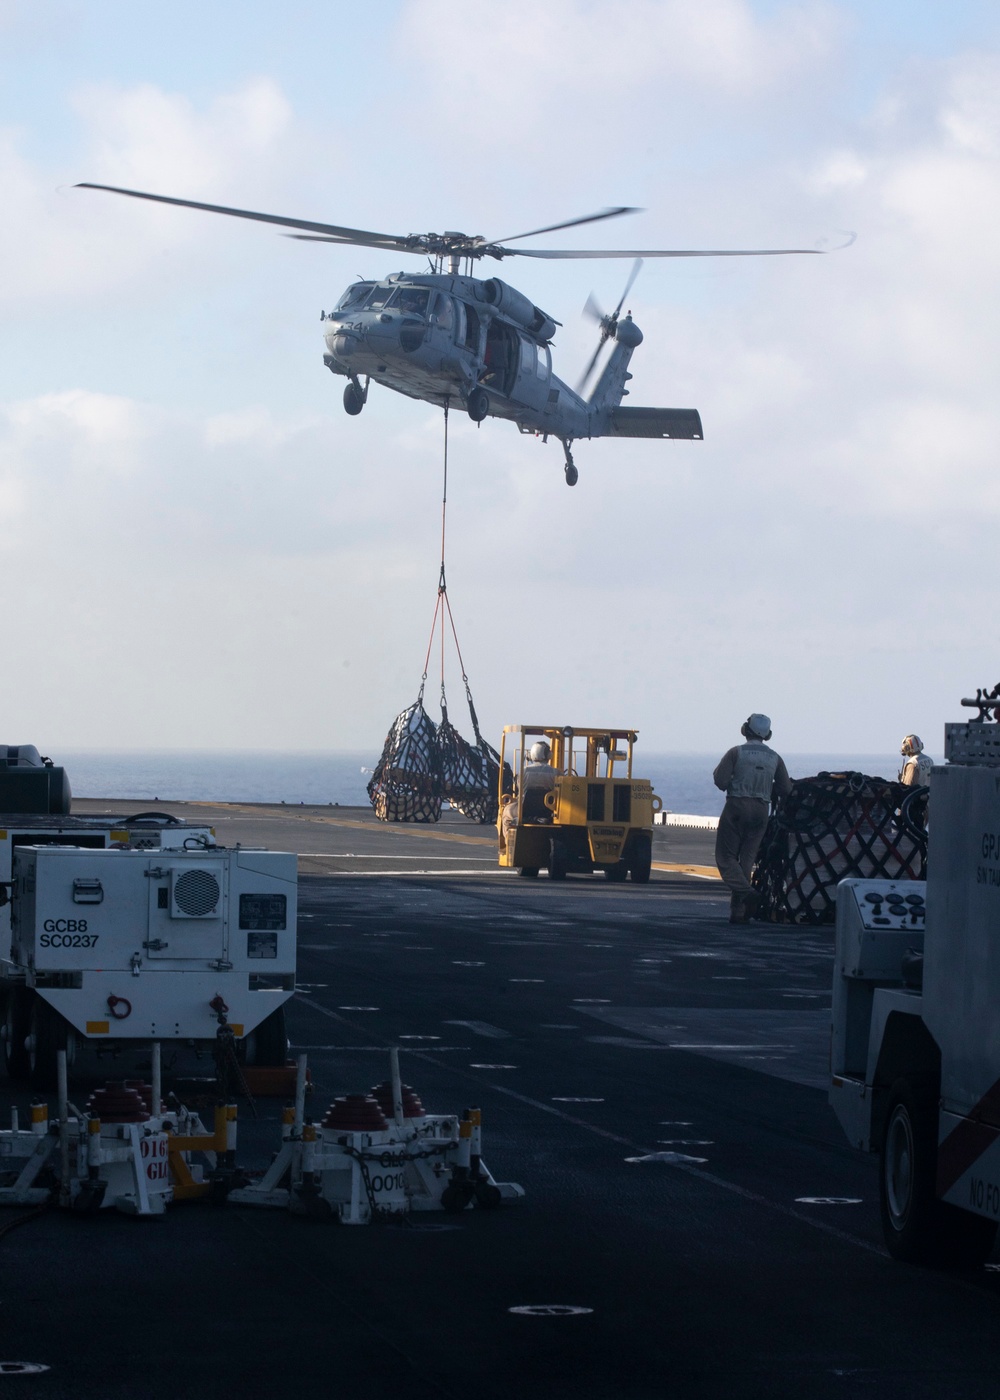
(200, 549)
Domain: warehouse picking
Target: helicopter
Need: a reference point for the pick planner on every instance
(445, 336)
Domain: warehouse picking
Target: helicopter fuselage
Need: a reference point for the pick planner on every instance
(442, 337)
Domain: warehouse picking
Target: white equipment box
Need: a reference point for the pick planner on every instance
(129, 944)
(149, 831)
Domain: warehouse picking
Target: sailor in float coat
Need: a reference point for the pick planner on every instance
(751, 775)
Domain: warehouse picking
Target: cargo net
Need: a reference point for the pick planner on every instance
(834, 827)
(424, 764)
(467, 774)
(403, 787)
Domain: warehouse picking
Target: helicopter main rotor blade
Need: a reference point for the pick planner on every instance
(344, 235)
(572, 223)
(658, 252)
(348, 242)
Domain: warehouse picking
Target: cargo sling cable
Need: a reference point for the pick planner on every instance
(423, 764)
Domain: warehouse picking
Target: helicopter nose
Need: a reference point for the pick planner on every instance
(342, 344)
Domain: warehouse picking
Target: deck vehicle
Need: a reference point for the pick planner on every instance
(596, 816)
(915, 1053)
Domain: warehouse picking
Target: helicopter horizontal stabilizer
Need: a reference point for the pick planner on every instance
(654, 423)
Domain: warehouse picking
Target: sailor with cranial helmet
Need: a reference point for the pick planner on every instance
(916, 768)
(751, 775)
(537, 778)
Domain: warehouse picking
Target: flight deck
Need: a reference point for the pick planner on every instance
(693, 1224)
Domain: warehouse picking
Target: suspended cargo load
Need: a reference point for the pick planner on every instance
(834, 827)
(468, 774)
(403, 787)
(423, 764)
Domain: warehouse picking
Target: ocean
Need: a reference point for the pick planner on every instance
(683, 781)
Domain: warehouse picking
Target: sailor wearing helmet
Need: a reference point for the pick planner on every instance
(750, 775)
(916, 769)
(538, 778)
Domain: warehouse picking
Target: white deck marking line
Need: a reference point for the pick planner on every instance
(482, 1028)
(380, 874)
(731, 1186)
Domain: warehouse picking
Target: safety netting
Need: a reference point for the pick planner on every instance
(833, 827)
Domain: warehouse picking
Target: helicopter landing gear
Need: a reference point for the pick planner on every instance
(572, 475)
(478, 404)
(354, 398)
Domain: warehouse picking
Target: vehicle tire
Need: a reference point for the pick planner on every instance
(557, 859)
(616, 873)
(354, 400)
(572, 475)
(917, 1227)
(640, 858)
(906, 1175)
(529, 872)
(267, 1044)
(48, 1034)
(457, 1196)
(16, 1025)
(478, 404)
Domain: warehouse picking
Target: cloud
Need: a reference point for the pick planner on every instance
(530, 59)
(66, 245)
(249, 563)
(142, 137)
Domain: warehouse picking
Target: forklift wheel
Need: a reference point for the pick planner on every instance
(616, 873)
(557, 859)
(640, 860)
(530, 872)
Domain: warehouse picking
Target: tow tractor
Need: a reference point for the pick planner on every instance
(596, 816)
(118, 931)
(915, 1055)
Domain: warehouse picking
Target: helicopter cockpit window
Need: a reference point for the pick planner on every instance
(354, 296)
(443, 313)
(412, 301)
(379, 298)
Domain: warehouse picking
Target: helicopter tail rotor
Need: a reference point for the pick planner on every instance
(608, 324)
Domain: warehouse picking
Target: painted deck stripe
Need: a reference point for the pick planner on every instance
(703, 872)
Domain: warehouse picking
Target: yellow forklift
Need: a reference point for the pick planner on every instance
(588, 814)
